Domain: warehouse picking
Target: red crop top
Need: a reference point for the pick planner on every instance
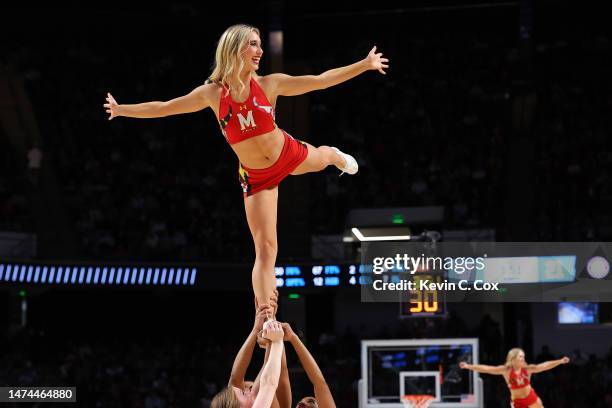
(520, 380)
(241, 121)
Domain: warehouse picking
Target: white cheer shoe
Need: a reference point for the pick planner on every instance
(351, 167)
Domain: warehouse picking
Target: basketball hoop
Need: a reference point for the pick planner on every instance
(417, 401)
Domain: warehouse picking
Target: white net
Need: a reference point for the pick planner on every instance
(417, 401)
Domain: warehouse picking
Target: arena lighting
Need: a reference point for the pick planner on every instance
(398, 219)
(100, 275)
(275, 42)
(170, 276)
(165, 276)
(598, 267)
(363, 238)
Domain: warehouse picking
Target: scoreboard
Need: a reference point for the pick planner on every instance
(320, 275)
(198, 276)
(208, 277)
(424, 302)
(420, 302)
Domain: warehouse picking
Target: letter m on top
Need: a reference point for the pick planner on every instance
(246, 122)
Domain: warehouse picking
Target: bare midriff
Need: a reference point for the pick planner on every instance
(520, 393)
(261, 151)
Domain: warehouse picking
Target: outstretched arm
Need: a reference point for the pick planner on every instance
(196, 100)
(322, 393)
(283, 392)
(287, 85)
(547, 365)
(245, 354)
(255, 389)
(271, 371)
(484, 369)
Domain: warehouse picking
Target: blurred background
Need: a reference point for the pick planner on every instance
(492, 123)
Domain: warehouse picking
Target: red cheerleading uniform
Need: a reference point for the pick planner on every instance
(521, 380)
(251, 118)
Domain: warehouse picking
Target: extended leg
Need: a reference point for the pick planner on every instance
(323, 156)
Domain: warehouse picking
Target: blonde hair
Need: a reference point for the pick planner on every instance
(225, 399)
(228, 59)
(512, 354)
